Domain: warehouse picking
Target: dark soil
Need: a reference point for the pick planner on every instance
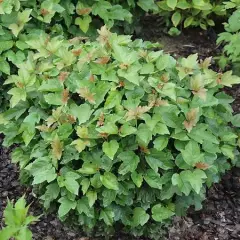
(190, 41)
(220, 217)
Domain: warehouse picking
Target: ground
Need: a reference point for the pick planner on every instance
(220, 217)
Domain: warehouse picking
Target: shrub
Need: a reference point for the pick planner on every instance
(195, 13)
(231, 40)
(17, 221)
(111, 131)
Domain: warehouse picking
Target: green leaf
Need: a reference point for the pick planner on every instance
(42, 170)
(92, 197)
(236, 120)
(5, 45)
(140, 217)
(83, 207)
(161, 142)
(181, 180)
(83, 22)
(51, 194)
(126, 130)
(109, 180)
(24, 233)
(137, 179)
(70, 182)
(228, 79)
(110, 148)
(197, 180)
(82, 112)
(52, 85)
(107, 215)
(114, 99)
(108, 197)
(161, 129)
(109, 128)
(88, 168)
(147, 5)
(201, 134)
(188, 21)
(54, 99)
(228, 151)
(7, 232)
(85, 183)
(191, 154)
(161, 213)
(153, 179)
(159, 160)
(66, 206)
(147, 68)
(4, 67)
(18, 94)
(130, 162)
(171, 120)
(144, 134)
(188, 180)
(176, 18)
(172, 3)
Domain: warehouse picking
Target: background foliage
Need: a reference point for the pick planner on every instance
(231, 39)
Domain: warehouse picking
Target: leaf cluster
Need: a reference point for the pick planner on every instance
(231, 38)
(194, 13)
(17, 221)
(110, 131)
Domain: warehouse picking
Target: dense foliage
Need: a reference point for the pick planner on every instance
(231, 39)
(191, 13)
(110, 131)
(17, 221)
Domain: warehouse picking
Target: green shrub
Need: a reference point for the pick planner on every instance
(112, 132)
(193, 13)
(17, 221)
(231, 40)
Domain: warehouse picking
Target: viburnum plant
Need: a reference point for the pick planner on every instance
(111, 131)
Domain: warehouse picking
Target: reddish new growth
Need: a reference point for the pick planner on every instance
(84, 11)
(87, 95)
(92, 78)
(124, 66)
(102, 60)
(121, 84)
(164, 78)
(101, 120)
(77, 52)
(20, 85)
(191, 119)
(219, 78)
(71, 119)
(201, 165)
(160, 86)
(144, 149)
(62, 76)
(44, 12)
(103, 135)
(65, 96)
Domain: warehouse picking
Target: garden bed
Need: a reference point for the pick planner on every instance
(220, 217)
